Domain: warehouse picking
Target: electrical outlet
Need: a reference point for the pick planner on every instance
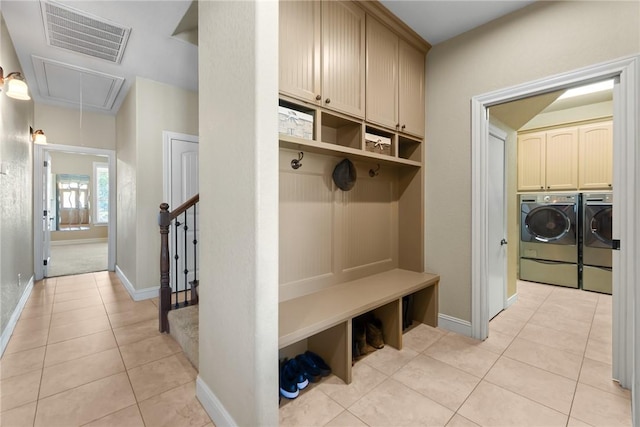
(19, 279)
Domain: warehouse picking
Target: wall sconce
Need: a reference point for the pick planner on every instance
(38, 136)
(15, 86)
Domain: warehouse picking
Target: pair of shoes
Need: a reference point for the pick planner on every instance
(360, 347)
(374, 333)
(292, 379)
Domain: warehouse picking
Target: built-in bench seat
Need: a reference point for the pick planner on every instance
(324, 318)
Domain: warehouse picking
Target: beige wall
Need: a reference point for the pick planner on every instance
(238, 65)
(126, 186)
(16, 189)
(540, 40)
(149, 109)
(69, 126)
(159, 107)
(78, 164)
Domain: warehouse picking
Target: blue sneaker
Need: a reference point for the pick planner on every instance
(318, 363)
(309, 368)
(292, 379)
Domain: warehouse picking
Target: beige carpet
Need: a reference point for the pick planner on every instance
(75, 259)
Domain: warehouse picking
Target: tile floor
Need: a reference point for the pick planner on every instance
(547, 362)
(85, 354)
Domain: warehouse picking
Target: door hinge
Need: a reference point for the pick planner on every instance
(46, 164)
(615, 244)
(44, 213)
(44, 262)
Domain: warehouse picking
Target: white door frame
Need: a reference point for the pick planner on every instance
(501, 135)
(626, 180)
(38, 159)
(167, 138)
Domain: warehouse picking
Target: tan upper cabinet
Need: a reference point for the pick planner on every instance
(382, 74)
(596, 156)
(570, 158)
(395, 81)
(322, 54)
(531, 161)
(412, 74)
(300, 46)
(561, 159)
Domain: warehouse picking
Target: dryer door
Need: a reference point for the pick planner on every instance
(598, 226)
(552, 224)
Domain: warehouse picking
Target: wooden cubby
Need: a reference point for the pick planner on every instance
(339, 130)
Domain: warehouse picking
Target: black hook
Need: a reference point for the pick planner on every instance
(375, 172)
(297, 163)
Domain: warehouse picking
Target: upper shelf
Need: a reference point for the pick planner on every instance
(309, 128)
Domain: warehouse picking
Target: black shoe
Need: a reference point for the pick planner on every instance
(288, 385)
(309, 368)
(318, 362)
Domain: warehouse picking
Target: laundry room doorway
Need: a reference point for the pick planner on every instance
(625, 159)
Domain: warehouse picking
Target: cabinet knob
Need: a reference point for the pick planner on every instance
(326, 101)
(404, 126)
(541, 187)
(609, 185)
(548, 187)
(318, 97)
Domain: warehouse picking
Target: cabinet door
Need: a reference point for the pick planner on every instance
(531, 158)
(411, 95)
(562, 159)
(596, 156)
(300, 24)
(382, 74)
(343, 57)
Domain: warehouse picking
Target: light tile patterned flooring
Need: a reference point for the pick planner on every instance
(547, 362)
(85, 354)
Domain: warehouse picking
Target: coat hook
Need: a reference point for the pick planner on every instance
(297, 163)
(375, 172)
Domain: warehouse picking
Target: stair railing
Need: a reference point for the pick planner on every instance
(183, 247)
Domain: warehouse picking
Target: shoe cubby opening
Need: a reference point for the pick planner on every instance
(409, 149)
(341, 131)
(375, 329)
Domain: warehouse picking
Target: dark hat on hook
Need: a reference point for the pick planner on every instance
(344, 175)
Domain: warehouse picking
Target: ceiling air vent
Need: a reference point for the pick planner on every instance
(74, 30)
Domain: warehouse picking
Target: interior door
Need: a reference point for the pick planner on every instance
(184, 185)
(497, 226)
(48, 212)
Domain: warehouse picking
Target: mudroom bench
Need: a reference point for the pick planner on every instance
(324, 318)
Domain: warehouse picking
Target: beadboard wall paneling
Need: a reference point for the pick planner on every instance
(328, 236)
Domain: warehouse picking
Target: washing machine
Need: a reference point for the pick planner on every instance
(549, 238)
(597, 230)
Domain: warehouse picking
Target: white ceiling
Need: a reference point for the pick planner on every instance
(62, 77)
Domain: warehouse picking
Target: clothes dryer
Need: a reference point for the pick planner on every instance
(597, 241)
(549, 238)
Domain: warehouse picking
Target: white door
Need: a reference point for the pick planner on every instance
(497, 224)
(182, 153)
(48, 212)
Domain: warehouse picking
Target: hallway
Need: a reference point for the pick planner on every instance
(85, 354)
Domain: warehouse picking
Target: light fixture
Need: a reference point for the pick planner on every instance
(585, 90)
(38, 137)
(15, 86)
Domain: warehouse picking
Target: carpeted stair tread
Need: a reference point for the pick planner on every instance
(184, 328)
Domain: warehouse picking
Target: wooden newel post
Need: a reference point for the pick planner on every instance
(164, 221)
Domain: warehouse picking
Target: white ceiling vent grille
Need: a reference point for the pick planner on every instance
(73, 30)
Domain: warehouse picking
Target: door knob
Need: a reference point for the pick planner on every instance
(503, 242)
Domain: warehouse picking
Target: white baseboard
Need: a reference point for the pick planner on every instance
(511, 300)
(13, 320)
(212, 405)
(454, 324)
(78, 241)
(137, 294)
